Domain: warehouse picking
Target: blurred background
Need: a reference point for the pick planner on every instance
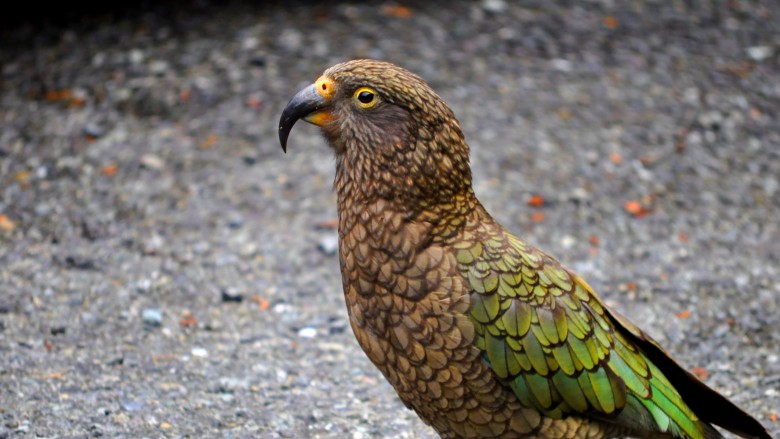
(166, 271)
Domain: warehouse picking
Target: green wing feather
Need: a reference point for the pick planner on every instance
(547, 335)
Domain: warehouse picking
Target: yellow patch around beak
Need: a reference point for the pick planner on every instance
(319, 118)
(325, 87)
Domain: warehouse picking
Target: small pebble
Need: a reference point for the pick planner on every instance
(494, 6)
(152, 161)
(199, 352)
(568, 241)
(759, 53)
(136, 56)
(143, 285)
(201, 247)
(93, 129)
(561, 65)
(131, 405)
(232, 384)
(235, 222)
(158, 67)
(250, 43)
(329, 245)
(307, 332)
(282, 308)
(231, 295)
(290, 39)
(257, 61)
(152, 316)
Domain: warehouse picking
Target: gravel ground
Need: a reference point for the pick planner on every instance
(165, 271)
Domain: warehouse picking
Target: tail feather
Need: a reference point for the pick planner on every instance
(710, 406)
(711, 432)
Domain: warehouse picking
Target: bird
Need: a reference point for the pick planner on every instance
(480, 333)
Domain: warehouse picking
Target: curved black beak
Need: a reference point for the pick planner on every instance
(304, 105)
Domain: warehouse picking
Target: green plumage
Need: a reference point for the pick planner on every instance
(548, 336)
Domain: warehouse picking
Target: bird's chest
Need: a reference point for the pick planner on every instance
(408, 306)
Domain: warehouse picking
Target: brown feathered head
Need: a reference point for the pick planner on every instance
(393, 135)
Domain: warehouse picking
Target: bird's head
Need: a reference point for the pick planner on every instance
(391, 132)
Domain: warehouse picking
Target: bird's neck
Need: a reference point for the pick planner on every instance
(427, 171)
(359, 186)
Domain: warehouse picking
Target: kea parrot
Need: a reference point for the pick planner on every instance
(479, 333)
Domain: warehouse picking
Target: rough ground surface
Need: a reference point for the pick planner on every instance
(165, 271)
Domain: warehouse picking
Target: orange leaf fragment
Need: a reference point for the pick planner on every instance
(187, 320)
(683, 314)
(741, 69)
(679, 145)
(397, 11)
(631, 286)
(635, 208)
(647, 160)
(254, 103)
(51, 376)
(682, 237)
(537, 217)
(328, 224)
(610, 22)
(264, 304)
(594, 240)
(536, 201)
(109, 170)
(564, 113)
(59, 95)
(210, 141)
(163, 358)
(773, 417)
(6, 224)
(22, 176)
(616, 158)
(77, 101)
(700, 372)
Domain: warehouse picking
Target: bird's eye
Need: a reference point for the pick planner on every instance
(366, 97)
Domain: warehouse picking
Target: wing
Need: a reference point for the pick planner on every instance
(547, 335)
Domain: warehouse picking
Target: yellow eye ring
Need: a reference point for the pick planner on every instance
(365, 97)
